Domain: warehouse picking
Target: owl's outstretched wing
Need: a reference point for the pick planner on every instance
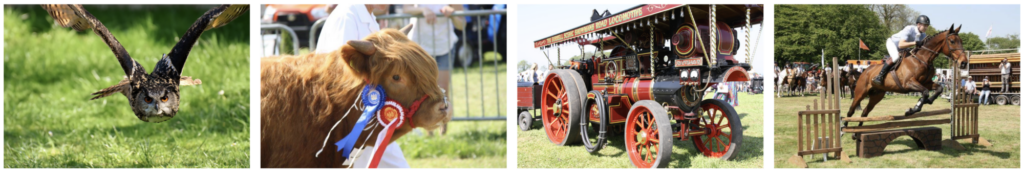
(213, 18)
(122, 87)
(76, 17)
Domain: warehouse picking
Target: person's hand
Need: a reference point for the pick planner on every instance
(447, 11)
(429, 16)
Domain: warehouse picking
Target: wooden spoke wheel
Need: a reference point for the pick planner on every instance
(593, 133)
(561, 107)
(525, 120)
(648, 135)
(723, 130)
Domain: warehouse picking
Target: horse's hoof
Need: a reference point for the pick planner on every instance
(910, 112)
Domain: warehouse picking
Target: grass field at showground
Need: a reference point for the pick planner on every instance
(49, 72)
(536, 151)
(1000, 125)
(468, 144)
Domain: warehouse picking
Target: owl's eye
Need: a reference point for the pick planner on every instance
(148, 100)
(396, 78)
(164, 99)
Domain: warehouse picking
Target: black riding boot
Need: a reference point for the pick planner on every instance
(881, 74)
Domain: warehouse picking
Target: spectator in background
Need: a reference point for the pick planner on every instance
(534, 75)
(348, 22)
(1004, 70)
(969, 86)
(436, 36)
(985, 90)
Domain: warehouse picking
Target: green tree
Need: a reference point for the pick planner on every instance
(895, 16)
(802, 31)
(1009, 42)
(522, 65)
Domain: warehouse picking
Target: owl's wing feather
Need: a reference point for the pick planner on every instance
(216, 17)
(188, 81)
(122, 87)
(75, 16)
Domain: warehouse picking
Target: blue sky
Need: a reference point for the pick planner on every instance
(1004, 19)
(539, 21)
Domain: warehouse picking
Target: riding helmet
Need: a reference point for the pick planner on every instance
(923, 19)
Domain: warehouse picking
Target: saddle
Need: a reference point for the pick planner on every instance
(904, 53)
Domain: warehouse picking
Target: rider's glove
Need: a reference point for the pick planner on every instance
(918, 43)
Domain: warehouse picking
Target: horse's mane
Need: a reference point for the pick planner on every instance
(929, 38)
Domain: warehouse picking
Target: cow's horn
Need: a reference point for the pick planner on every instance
(365, 47)
(406, 29)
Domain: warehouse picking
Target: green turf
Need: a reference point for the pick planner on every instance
(468, 144)
(536, 151)
(49, 72)
(1000, 125)
(477, 91)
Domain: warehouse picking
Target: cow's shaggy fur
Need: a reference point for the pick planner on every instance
(303, 96)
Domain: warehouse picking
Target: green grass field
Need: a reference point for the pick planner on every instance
(468, 144)
(536, 151)
(49, 72)
(1000, 125)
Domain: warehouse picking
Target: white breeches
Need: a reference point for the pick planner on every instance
(894, 50)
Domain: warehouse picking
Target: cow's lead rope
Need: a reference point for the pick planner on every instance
(358, 97)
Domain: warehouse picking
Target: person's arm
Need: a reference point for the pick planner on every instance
(905, 44)
(412, 9)
(459, 22)
(904, 35)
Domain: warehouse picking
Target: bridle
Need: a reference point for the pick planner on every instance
(949, 47)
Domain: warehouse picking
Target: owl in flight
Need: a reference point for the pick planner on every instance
(153, 97)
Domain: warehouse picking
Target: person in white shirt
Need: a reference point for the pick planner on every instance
(348, 22)
(354, 22)
(969, 86)
(912, 35)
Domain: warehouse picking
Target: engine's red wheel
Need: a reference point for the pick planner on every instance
(648, 135)
(561, 107)
(723, 130)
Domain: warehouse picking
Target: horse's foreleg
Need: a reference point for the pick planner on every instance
(920, 102)
(938, 92)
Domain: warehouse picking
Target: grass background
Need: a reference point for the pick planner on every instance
(50, 71)
(1000, 125)
(536, 151)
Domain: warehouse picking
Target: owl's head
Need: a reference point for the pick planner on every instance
(156, 100)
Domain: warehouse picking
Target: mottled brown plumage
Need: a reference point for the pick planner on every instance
(154, 97)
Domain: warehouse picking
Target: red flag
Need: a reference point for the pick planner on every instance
(863, 46)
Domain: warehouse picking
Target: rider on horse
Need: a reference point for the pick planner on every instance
(911, 35)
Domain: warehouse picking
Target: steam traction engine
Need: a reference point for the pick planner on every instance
(651, 86)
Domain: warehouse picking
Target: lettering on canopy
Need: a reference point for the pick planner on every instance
(622, 18)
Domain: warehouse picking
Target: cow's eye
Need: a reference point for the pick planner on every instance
(396, 78)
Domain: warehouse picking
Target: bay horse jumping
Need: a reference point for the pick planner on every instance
(912, 75)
